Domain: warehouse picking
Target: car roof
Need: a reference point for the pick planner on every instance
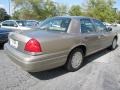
(76, 17)
(9, 20)
(20, 20)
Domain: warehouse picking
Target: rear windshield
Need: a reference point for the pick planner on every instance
(56, 24)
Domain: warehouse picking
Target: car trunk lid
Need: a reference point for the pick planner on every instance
(18, 40)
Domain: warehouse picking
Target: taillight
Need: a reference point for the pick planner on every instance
(33, 46)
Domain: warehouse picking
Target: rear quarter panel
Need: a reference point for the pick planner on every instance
(64, 42)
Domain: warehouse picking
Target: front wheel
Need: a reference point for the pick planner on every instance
(75, 59)
(114, 44)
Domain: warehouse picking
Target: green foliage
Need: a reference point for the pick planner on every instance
(61, 10)
(118, 17)
(75, 10)
(101, 9)
(37, 9)
(3, 15)
(16, 15)
(41, 9)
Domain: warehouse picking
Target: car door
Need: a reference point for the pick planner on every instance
(90, 35)
(106, 36)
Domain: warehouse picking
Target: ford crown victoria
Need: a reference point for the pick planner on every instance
(61, 40)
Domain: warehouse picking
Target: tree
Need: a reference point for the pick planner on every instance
(118, 17)
(3, 15)
(37, 9)
(16, 15)
(61, 10)
(75, 10)
(101, 9)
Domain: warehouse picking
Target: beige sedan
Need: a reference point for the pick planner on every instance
(59, 41)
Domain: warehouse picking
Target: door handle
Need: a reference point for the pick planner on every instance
(101, 36)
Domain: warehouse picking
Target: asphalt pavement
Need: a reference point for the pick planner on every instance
(101, 71)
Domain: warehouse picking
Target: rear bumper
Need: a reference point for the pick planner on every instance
(35, 63)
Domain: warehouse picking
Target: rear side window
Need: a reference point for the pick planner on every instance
(9, 23)
(6, 23)
(86, 26)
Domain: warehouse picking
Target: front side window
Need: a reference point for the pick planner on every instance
(56, 24)
(99, 26)
(31, 23)
(20, 23)
(12, 24)
(86, 26)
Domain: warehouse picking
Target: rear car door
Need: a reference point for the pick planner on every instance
(90, 35)
(106, 36)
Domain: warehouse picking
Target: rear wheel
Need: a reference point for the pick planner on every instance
(114, 44)
(75, 59)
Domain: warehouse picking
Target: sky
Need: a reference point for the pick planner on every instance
(5, 3)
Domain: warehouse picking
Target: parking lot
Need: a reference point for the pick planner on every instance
(100, 71)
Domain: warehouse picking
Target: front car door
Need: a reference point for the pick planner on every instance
(90, 35)
(106, 36)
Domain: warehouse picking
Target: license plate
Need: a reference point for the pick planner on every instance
(14, 43)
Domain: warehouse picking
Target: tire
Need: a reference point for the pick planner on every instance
(75, 60)
(1, 45)
(114, 44)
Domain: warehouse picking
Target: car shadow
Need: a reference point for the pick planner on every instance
(50, 74)
(1, 46)
(94, 56)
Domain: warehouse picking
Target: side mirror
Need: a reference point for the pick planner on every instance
(114, 25)
(109, 29)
